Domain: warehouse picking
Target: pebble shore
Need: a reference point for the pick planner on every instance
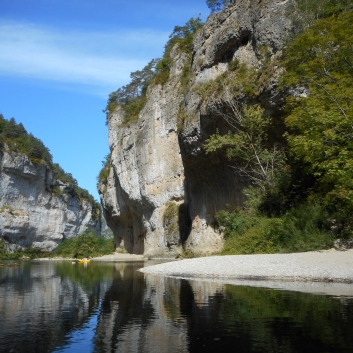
(328, 266)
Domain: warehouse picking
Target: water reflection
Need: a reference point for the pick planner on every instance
(110, 307)
(41, 302)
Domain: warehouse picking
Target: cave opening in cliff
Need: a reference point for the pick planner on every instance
(184, 222)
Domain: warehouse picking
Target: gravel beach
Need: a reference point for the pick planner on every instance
(328, 266)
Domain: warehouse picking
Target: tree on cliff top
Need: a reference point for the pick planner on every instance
(217, 5)
(132, 97)
(17, 139)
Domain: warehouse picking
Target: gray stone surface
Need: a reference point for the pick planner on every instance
(153, 164)
(30, 214)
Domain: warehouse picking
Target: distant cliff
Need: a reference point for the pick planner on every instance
(37, 209)
(161, 193)
(31, 214)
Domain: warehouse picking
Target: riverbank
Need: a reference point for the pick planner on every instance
(119, 257)
(114, 257)
(329, 266)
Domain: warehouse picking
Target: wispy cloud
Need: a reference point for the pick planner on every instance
(95, 60)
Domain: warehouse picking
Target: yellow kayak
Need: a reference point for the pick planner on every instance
(84, 260)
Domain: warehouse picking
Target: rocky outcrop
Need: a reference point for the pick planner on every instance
(162, 191)
(31, 213)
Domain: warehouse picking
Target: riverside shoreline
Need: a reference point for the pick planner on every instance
(328, 271)
(114, 257)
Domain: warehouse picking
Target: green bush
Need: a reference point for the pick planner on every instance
(303, 228)
(262, 238)
(104, 173)
(85, 245)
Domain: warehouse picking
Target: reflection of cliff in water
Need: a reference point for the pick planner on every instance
(133, 316)
(151, 314)
(49, 305)
(156, 314)
(38, 307)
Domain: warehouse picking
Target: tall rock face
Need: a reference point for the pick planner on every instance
(31, 214)
(163, 191)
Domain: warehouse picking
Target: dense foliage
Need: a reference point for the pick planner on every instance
(17, 139)
(303, 228)
(256, 158)
(321, 124)
(85, 245)
(304, 13)
(309, 201)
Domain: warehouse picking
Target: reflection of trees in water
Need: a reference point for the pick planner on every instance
(290, 321)
(252, 319)
(38, 306)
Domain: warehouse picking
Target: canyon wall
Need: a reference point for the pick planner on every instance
(32, 214)
(163, 191)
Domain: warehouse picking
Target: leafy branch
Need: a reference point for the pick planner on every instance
(247, 144)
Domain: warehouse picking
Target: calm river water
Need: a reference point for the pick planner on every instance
(109, 307)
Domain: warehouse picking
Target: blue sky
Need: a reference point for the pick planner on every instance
(59, 60)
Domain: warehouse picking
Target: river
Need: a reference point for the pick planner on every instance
(57, 306)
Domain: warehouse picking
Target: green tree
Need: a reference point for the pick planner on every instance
(255, 157)
(217, 5)
(304, 13)
(17, 139)
(183, 36)
(320, 121)
(132, 97)
(135, 90)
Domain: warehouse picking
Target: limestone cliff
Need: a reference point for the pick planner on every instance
(162, 191)
(31, 213)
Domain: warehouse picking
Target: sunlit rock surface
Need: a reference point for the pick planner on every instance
(155, 163)
(31, 215)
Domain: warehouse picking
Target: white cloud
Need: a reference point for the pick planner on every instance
(95, 60)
